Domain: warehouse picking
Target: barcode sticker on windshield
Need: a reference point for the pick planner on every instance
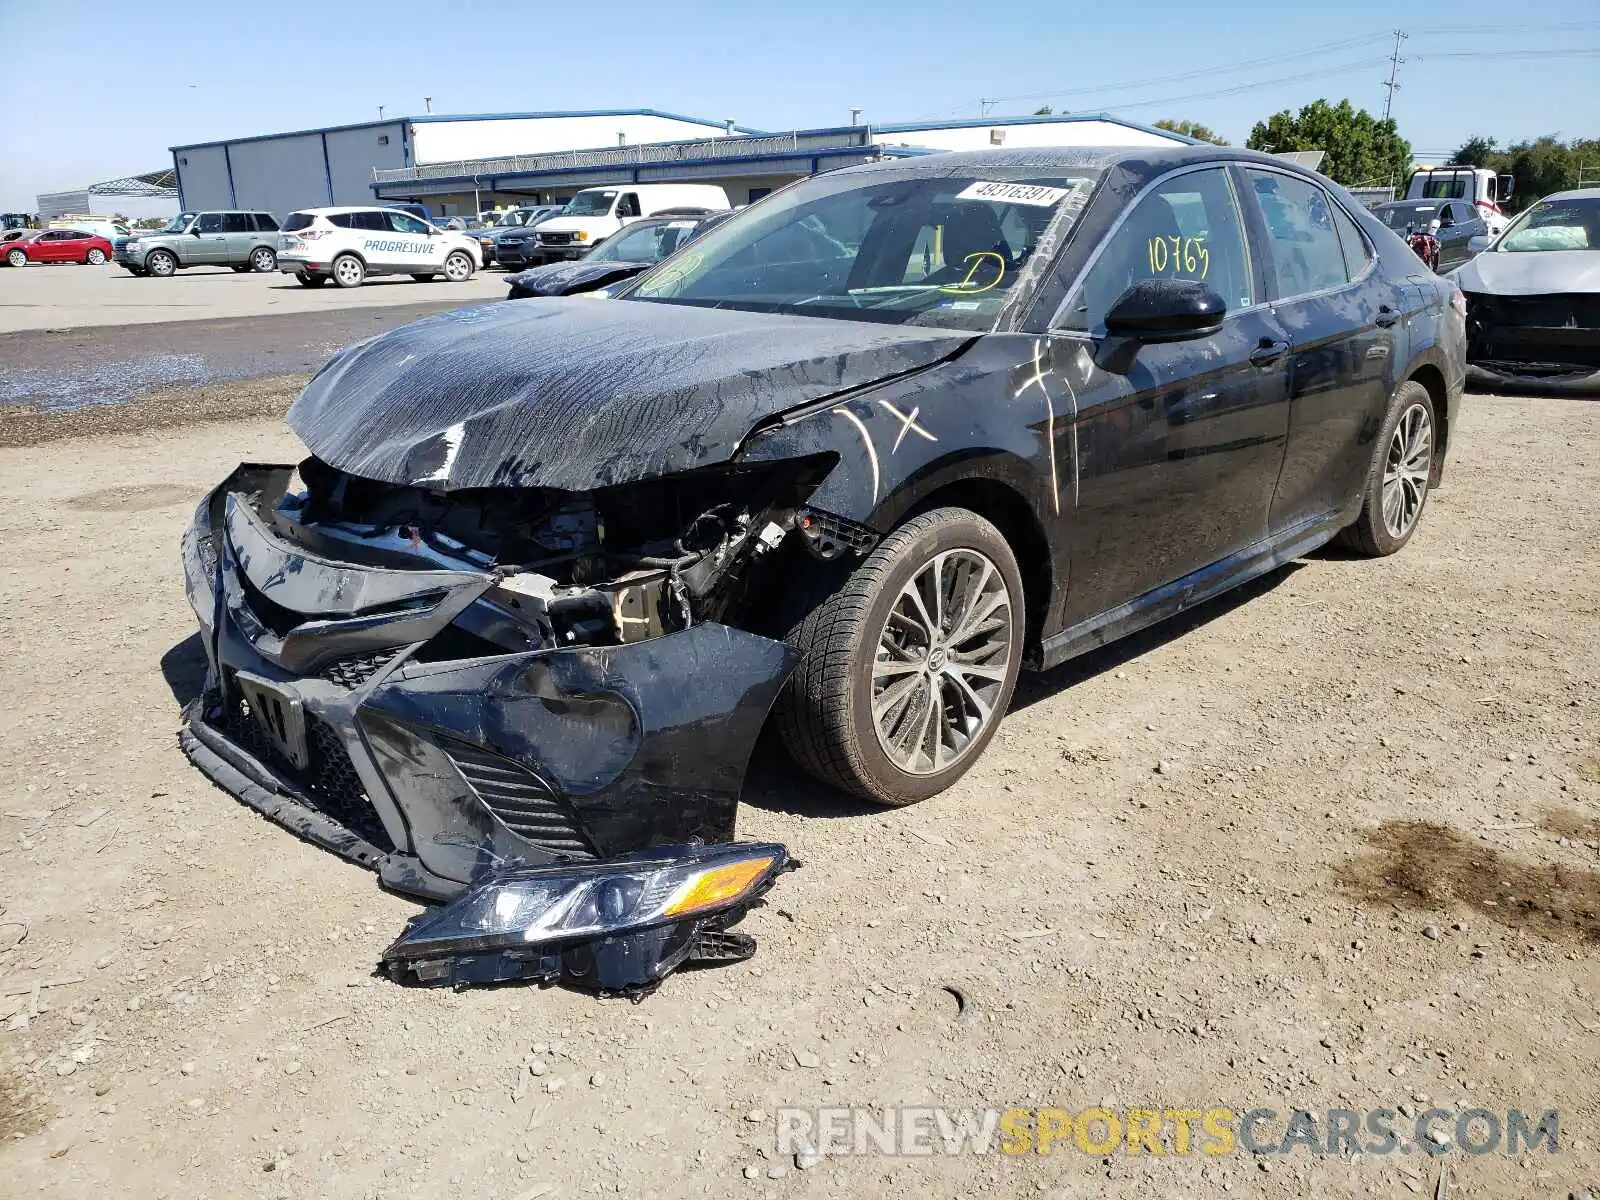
(1013, 193)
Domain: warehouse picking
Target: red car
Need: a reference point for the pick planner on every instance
(58, 245)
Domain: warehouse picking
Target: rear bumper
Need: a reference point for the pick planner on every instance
(435, 771)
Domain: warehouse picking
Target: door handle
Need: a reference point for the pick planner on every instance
(1386, 317)
(1268, 352)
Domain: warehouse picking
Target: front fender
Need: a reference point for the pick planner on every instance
(900, 441)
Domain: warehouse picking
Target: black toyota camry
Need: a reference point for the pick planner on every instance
(846, 463)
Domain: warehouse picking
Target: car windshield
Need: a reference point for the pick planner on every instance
(645, 243)
(1572, 224)
(507, 219)
(910, 248)
(589, 204)
(178, 223)
(1408, 216)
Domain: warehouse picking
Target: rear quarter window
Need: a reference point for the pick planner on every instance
(266, 223)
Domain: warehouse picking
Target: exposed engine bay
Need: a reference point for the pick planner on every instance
(608, 567)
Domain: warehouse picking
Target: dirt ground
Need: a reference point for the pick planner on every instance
(1331, 842)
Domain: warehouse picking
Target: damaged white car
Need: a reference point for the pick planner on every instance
(1533, 297)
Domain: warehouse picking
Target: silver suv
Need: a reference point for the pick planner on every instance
(245, 241)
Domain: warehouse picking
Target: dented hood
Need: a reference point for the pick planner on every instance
(576, 394)
(1531, 273)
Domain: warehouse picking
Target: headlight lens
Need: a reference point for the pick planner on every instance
(581, 236)
(529, 908)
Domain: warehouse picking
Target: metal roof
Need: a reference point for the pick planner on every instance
(154, 185)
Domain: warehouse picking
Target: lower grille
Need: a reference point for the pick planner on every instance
(329, 784)
(525, 804)
(352, 672)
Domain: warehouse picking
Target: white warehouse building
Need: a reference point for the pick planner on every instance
(463, 164)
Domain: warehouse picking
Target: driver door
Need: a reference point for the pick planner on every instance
(1169, 453)
(418, 248)
(208, 243)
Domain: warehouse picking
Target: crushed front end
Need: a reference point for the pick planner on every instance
(454, 687)
(1548, 340)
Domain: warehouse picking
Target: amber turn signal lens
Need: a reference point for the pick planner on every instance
(716, 886)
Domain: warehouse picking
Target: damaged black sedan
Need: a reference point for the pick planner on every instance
(847, 462)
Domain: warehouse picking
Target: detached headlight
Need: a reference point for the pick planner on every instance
(618, 925)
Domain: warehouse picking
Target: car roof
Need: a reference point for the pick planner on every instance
(346, 208)
(1587, 193)
(1151, 158)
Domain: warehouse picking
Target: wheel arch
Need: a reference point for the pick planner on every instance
(1432, 379)
(154, 250)
(996, 499)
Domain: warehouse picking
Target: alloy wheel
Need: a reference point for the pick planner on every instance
(348, 272)
(263, 260)
(96, 257)
(1405, 473)
(457, 268)
(17, 258)
(942, 662)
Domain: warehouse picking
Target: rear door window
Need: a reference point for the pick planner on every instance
(235, 222)
(1357, 254)
(1304, 245)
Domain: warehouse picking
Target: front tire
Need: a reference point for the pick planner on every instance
(908, 666)
(348, 271)
(161, 263)
(263, 260)
(458, 267)
(1397, 484)
(96, 257)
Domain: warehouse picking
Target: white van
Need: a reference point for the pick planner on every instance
(594, 214)
(1479, 185)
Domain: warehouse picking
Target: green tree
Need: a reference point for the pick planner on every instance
(1359, 148)
(1193, 129)
(1474, 152)
(1044, 110)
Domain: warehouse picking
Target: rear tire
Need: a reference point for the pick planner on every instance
(309, 280)
(161, 263)
(263, 260)
(1396, 491)
(888, 701)
(96, 257)
(349, 271)
(16, 258)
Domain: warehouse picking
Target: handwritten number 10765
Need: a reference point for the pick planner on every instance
(1185, 256)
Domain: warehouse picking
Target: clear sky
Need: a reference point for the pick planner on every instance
(92, 90)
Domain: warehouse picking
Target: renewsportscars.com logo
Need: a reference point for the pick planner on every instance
(1097, 1130)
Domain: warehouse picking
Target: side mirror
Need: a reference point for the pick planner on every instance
(1479, 242)
(1166, 310)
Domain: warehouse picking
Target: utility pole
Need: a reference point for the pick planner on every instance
(380, 112)
(1393, 83)
(984, 106)
(427, 103)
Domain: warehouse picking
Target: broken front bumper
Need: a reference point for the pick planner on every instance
(1549, 342)
(332, 705)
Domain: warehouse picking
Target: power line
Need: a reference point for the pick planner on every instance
(1238, 89)
(1271, 60)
